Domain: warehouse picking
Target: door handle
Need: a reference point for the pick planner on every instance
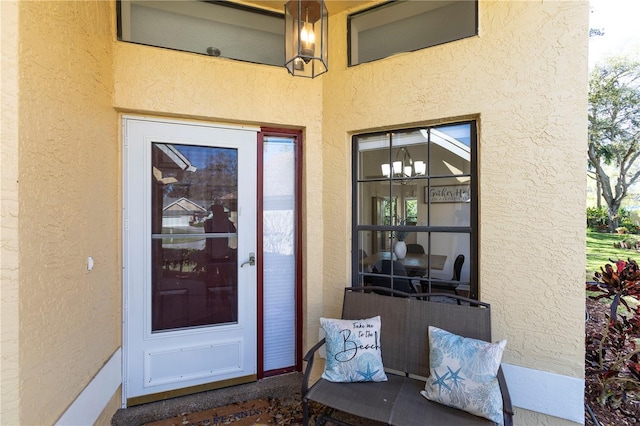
(251, 261)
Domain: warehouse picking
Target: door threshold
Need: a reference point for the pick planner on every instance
(160, 396)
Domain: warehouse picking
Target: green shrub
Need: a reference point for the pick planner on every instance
(631, 228)
(612, 354)
(597, 217)
(624, 220)
(598, 220)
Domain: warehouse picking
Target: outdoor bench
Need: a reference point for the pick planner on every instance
(404, 342)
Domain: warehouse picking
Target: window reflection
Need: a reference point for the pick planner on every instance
(414, 195)
(396, 27)
(222, 29)
(194, 236)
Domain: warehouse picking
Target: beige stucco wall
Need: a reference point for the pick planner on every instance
(525, 79)
(68, 170)
(104, 419)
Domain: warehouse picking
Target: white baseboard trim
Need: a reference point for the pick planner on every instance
(544, 392)
(88, 406)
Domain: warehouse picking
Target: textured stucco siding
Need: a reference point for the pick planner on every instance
(68, 202)
(114, 404)
(524, 78)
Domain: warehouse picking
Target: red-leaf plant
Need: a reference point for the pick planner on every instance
(612, 356)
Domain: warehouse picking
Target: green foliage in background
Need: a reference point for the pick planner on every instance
(614, 131)
(597, 218)
(600, 249)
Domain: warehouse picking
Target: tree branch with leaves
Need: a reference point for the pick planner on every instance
(614, 131)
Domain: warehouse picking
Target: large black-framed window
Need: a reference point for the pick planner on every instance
(416, 188)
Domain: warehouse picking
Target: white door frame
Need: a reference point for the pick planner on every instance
(130, 172)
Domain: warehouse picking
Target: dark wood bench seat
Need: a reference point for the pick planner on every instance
(405, 319)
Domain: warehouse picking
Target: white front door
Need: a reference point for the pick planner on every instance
(189, 216)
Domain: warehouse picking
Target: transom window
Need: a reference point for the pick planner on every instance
(405, 26)
(416, 187)
(214, 28)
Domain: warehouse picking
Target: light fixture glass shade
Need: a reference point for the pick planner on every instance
(404, 167)
(306, 35)
(397, 167)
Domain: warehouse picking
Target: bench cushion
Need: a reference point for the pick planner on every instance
(395, 402)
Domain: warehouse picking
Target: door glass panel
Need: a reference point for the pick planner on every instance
(194, 236)
(279, 270)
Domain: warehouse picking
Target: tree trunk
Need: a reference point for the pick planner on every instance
(612, 211)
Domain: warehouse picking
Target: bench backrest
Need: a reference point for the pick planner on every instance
(405, 321)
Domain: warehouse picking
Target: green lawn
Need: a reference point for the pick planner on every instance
(600, 249)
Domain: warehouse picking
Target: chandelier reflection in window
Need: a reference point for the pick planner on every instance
(403, 166)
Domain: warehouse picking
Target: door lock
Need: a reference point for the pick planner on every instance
(251, 261)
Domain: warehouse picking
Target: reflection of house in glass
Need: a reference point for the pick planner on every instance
(182, 212)
(194, 198)
(191, 180)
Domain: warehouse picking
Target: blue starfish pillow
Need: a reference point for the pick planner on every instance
(353, 350)
(463, 374)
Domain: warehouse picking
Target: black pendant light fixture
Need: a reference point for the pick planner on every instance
(306, 35)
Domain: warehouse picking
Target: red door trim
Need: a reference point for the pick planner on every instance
(297, 134)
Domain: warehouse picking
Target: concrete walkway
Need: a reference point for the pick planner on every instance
(284, 386)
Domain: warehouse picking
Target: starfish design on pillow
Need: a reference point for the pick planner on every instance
(441, 381)
(367, 376)
(455, 376)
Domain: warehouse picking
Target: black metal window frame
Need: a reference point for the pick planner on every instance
(472, 230)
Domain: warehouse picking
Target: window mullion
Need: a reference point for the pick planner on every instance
(441, 225)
